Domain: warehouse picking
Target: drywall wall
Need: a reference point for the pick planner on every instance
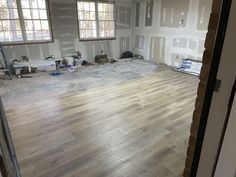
(178, 29)
(65, 32)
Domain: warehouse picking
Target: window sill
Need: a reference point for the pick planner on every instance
(97, 39)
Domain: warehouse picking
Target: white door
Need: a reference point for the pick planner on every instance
(227, 160)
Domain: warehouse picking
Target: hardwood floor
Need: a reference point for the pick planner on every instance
(138, 128)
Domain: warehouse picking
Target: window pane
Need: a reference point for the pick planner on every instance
(27, 14)
(92, 6)
(15, 25)
(2, 38)
(44, 24)
(86, 16)
(25, 3)
(105, 7)
(19, 36)
(80, 5)
(101, 7)
(16, 36)
(37, 25)
(33, 3)
(38, 35)
(101, 16)
(8, 4)
(88, 34)
(12, 36)
(86, 6)
(46, 35)
(30, 35)
(87, 20)
(8, 14)
(33, 11)
(106, 29)
(3, 4)
(81, 16)
(4, 14)
(1, 27)
(111, 16)
(29, 25)
(13, 14)
(42, 4)
(35, 14)
(92, 16)
(6, 25)
(7, 36)
(43, 14)
(111, 8)
(87, 25)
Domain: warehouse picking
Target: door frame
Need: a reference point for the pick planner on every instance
(211, 88)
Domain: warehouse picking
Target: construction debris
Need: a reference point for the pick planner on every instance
(190, 66)
(101, 59)
(127, 54)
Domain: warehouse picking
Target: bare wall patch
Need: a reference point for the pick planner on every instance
(204, 11)
(192, 44)
(201, 47)
(174, 13)
(157, 49)
(180, 42)
(139, 41)
(123, 17)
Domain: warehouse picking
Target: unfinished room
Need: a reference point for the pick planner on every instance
(99, 88)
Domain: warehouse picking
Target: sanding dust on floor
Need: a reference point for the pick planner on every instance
(43, 85)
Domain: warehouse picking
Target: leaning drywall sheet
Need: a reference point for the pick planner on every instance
(157, 49)
(174, 13)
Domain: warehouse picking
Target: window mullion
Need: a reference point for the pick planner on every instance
(21, 18)
(97, 20)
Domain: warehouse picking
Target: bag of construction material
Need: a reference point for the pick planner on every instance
(127, 54)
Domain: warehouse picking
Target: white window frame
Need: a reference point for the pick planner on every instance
(23, 30)
(97, 20)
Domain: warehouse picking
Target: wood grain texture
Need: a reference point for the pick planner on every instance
(137, 128)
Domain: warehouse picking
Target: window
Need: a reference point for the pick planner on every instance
(24, 21)
(96, 20)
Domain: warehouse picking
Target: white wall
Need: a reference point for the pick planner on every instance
(180, 41)
(227, 161)
(65, 32)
